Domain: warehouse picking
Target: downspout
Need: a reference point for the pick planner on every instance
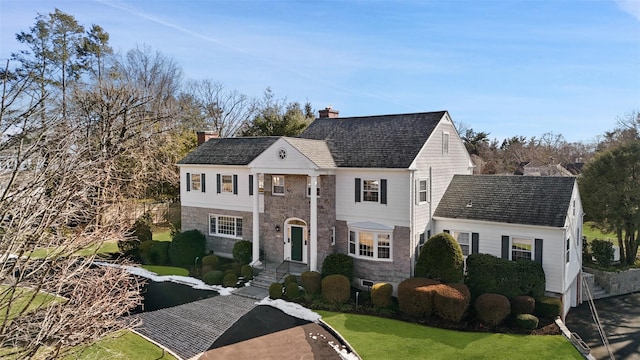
(412, 215)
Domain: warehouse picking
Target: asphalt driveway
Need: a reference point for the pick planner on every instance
(620, 318)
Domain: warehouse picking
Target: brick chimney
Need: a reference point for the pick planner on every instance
(328, 112)
(203, 136)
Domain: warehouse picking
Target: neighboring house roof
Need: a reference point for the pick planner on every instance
(527, 200)
(530, 169)
(229, 151)
(385, 141)
(315, 150)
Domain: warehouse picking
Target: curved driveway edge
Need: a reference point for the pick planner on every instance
(189, 330)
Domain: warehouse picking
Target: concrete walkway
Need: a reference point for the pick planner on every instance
(189, 330)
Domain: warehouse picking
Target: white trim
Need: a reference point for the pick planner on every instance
(235, 226)
(377, 231)
(533, 246)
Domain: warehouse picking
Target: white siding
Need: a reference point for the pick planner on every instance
(574, 234)
(490, 242)
(394, 213)
(210, 199)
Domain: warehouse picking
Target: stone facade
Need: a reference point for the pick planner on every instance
(198, 218)
(296, 205)
(617, 283)
(379, 271)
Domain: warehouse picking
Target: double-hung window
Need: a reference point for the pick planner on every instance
(464, 240)
(422, 191)
(370, 190)
(277, 185)
(195, 182)
(309, 187)
(227, 184)
(228, 226)
(521, 248)
(374, 245)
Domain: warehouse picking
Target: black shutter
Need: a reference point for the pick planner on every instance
(475, 242)
(202, 182)
(218, 184)
(446, 231)
(250, 185)
(358, 184)
(188, 181)
(383, 191)
(235, 184)
(538, 255)
(505, 247)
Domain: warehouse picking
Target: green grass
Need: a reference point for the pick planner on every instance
(162, 234)
(380, 338)
(122, 345)
(22, 300)
(594, 233)
(108, 247)
(166, 270)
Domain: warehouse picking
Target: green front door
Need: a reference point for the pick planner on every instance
(296, 243)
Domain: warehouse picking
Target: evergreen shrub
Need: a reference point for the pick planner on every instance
(275, 291)
(381, 294)
(292, 290)
(548, 307)
(489, 274)
(527, 321)
(602, 251)
(337, 263)
(186, 247)
(492, 309)
(523, 304)
(336, 289)
(214, 277)
(230, 280)
(243, 251)
(291, 279)
(415, 296)
(441, 258)
(451, 301)
(247, 272)
(154, 252)
(236, 267)
(311, 282)
(211, 260)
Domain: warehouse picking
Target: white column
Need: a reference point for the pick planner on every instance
(313, 223)
(256, 222)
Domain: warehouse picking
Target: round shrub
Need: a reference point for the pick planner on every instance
(229, 271)
(523, 304)
(451, 301)
(527, 321)
(141, 229)
(154, 252)
(602, 251)
(492, 309)
(341, 264)
(548, 307)
(311, 282)
(381, 294)
(214, 277)
(275, 291)
(206, 269)
(336, 289)
(211, 260)
(291, 279)
(291, 290)
(247, 272)
(230, 280)
(236, 267)
(415, 297)
(441, 258)
(130, 247)
(186, 247)
(242, 251)
(144, 250)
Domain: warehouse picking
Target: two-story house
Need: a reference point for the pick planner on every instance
(364, 186)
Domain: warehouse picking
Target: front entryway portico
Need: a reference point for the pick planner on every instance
(295, 240)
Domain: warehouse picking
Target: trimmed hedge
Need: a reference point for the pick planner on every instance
(291, 279)
(523, 304)
(275, 291)
(341, 264)
(311, 282)
(527, 321)
(602, 251)
(236, 267)
(206, 269)
(214, 277)
(441, 258)
(230, 280)
(492, 309)
(451, 301)
(291, 290)
(548, 307)
(247, 272)
(415, 297)
(381, 294)
(489, 274)
(336, 289)
(186, 247)
(243, 251)
(211, 260)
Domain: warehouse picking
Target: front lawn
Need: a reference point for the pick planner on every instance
(21, 299)
(591, 233)
(166, 270)
(379, 338)
(122, 345)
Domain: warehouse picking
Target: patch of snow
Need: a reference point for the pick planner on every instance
(293, 309)
(343, 352)
(184, 280)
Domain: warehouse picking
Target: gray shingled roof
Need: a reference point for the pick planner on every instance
(229, 151)
(385, 141)
(315, 150)
(528, 200)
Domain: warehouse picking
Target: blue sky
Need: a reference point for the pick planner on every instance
(504, 67)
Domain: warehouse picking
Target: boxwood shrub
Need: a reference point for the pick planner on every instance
(211, 260)
(291, 290)
(247, 272)
(230, 280)
(489, 274)
(242, 251)
(336, 289)
(548, 307)
(441, 258)
(214, 277)
(337, 263)
(311, 282)
(275, 291)
(291, 279)
(527, 321)
(492, 309)
(415, 296)
(381, 294)
(602, 251)
(523, 304)
(451, 301)
(186, 247)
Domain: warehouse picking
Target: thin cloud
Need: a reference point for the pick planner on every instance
(630, 6)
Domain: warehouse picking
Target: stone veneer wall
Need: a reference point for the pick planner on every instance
(296, 204)
(379, 271)
(620, 283)
(198, 218)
